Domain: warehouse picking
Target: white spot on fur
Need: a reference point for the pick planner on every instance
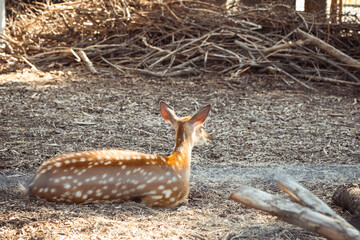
(140, 187)
(67, 185)
(151, 179)
(134, 181)
(167, 193)
(157, 197)
(78, 194)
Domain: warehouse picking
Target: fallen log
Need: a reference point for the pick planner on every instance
(313, 214)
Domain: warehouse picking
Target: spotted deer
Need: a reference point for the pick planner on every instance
(121, 175)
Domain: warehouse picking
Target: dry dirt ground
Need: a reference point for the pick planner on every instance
(259, 128)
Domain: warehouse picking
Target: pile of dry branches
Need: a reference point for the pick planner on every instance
(183, 37)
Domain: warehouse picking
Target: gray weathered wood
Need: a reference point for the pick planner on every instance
(332, 227)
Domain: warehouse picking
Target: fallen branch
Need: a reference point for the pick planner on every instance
(303, 196)
(321, 220)
(329, 49)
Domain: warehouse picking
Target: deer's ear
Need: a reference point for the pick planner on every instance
(167, 112)
(200, 116)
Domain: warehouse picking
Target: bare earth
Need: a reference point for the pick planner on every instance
(259, 128)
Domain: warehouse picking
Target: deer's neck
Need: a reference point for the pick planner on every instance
(181, 155)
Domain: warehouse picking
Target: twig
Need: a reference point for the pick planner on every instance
(126, 9)
(327, 79)
(29, 63)
(77, 57)
(180, 48)
(88, 63)
(248, 49)
(285, 45)
(113, 65)
(292, 77)
(153, 47)
(227, 51)
(332, 63)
